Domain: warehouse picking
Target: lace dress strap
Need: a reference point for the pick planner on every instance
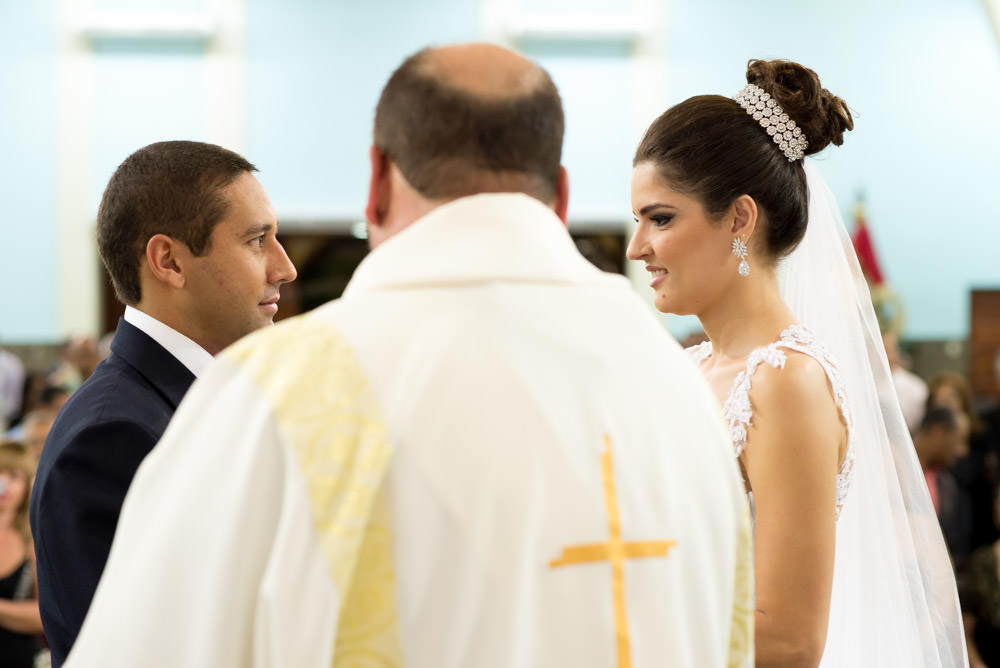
(738, 410)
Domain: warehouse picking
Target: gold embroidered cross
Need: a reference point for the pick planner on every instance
(615, 551)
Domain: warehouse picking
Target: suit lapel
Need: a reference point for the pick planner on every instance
(151, 360)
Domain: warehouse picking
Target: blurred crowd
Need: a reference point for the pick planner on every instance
(29, 402)
(957, 439)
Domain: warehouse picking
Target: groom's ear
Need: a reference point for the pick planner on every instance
(744, 215)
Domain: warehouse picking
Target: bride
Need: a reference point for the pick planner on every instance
(850, 566)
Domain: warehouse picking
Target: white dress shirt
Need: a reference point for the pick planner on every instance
(189, 353)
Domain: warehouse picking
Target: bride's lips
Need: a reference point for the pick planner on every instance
(657, 275)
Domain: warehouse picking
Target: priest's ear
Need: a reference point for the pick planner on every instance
(165, 259)
(379, 188)
(561, 202)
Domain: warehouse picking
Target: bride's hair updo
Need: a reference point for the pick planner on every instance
(709, 148)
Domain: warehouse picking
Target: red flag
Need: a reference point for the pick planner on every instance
(864, 247)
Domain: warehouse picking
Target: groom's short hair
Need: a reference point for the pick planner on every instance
(170, 187)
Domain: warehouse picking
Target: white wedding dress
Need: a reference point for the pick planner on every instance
(894, 602)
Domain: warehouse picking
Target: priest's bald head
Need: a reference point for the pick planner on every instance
(461, 120)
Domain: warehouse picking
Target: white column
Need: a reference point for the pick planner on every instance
(227, 85)
(78, 282)
(993, 9)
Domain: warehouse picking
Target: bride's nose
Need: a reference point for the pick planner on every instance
(637, 246)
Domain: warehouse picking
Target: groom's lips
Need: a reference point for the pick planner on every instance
(270, 304)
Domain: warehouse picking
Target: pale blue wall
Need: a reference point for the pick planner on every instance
(595, 82)
(314, 73)
(27, 171)
(923, 76)
(314, 76)
(165, 98)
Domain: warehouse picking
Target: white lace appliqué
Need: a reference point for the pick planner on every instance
(739, 412)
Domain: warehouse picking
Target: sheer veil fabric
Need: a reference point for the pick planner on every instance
(894, 600)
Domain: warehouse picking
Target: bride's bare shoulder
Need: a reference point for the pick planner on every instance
(800, 377)
(794, 400)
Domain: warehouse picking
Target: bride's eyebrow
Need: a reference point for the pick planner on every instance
(649, 207)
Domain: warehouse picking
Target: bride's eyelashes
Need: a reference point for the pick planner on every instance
(658, 219)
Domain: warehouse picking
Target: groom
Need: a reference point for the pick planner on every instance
(188, 236)
(487, 453)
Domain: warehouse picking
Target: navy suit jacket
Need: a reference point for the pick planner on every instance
(95, 446)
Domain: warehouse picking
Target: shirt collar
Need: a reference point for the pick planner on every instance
(187, 352)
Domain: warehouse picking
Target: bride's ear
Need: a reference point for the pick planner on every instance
(744, 212)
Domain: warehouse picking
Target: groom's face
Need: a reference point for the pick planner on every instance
(233, 288)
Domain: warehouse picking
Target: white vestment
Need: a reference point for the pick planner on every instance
(486, 454)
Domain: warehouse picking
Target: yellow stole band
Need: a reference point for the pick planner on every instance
(330, 418)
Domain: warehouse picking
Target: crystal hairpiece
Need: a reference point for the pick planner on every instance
(783, 130)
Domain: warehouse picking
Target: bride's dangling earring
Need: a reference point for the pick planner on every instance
(740, 251)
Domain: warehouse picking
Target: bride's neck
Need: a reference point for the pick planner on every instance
(749, 315)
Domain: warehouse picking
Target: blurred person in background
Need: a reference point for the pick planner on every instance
(11, 387)
(952, 390)
(79, 359)
(977, 467)
(911, 389)
(980, 592)
(47, 402)
(20, 621)
(35, 383)
(938, 441)
(990, 416)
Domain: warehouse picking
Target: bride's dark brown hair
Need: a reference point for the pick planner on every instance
(708, 147)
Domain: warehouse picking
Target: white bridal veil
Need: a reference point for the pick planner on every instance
(894, 596)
